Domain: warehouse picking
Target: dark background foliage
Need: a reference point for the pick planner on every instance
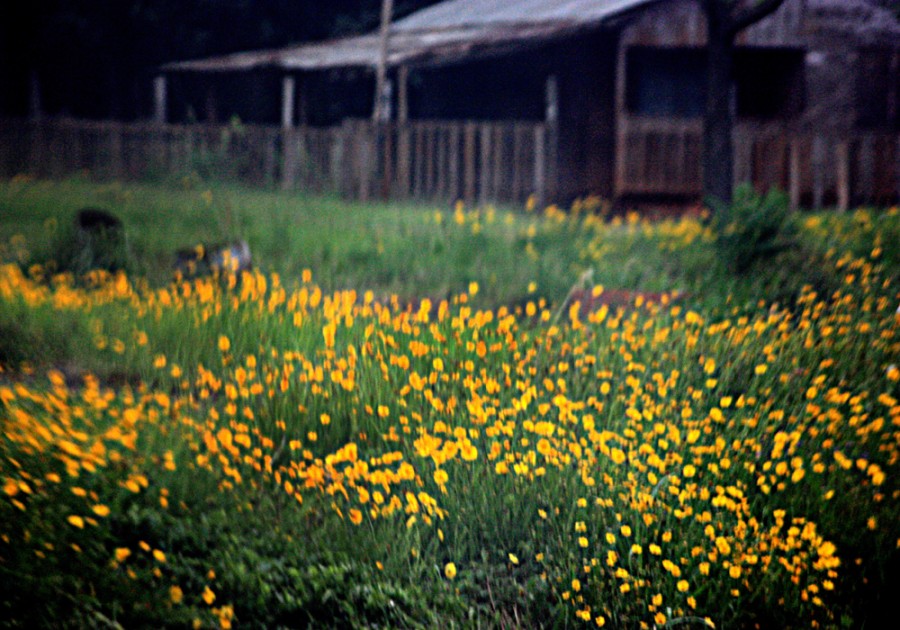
(96, 58)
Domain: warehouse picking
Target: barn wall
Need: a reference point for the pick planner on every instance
(586, 74)
(832, 63)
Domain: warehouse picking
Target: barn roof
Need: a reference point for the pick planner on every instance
(457, 29)
(438, 34)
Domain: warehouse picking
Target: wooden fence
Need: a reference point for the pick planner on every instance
(663, 157)
(475, 161)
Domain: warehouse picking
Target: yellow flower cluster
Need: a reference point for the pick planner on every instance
(677, 443)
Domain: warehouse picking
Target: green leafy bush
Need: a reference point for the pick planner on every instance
(754, 229)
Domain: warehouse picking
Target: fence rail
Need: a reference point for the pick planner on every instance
(476, 161)
(435, 160)
(663, 156)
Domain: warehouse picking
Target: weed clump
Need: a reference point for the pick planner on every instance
(754, 229)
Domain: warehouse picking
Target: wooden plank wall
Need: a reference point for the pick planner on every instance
(663, 157)
(474, 161)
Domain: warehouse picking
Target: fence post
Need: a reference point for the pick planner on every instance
(499, 142)
(430, 150)
(794, 172)
(817, 162)
(455, 187)
(403, 164)
(485, 134)
(540, 166)
(270, 159)
(339, 165)
(363, 158)
(288, 158)
(385, 137)
(469, 162)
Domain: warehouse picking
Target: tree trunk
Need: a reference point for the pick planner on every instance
(718, 145)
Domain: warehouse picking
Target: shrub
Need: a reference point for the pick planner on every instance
(754, 228)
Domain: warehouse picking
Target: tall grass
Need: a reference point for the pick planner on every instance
(294, 447)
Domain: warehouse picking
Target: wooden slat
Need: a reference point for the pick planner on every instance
(453, 191)
(469, 162)
(486, 163)
(842, 160)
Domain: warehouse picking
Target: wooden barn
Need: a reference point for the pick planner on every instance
(496, 100)
(619, 87)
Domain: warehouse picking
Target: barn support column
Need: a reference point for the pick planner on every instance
(288, 139)
(159, 100)
(288, 89)
(548, 159)
(402, 95)
(403, 133)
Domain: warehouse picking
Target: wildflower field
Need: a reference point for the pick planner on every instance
(397, 419)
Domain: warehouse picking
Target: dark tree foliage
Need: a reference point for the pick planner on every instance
(94, 58)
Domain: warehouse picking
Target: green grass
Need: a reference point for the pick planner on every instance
(309, 456)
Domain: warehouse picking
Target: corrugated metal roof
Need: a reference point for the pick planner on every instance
(440, 33)
(458, 29)
(456, 13)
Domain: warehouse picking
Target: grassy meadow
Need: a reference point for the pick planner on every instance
(445, 416)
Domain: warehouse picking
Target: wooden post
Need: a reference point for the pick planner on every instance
(270, 159)
(842, 159)
(485, 135)
(159, 100)
(419, 161)
(340, 167)
(288, 158)
(517, 163)
(499, 142)
(440, 139)
(402, 95)
(469, 162)
(385, 133)
(540, 173)
(287, 102)
(794, 172)
(364, 158)
(550, 145)
(382, 96)
(620, 180)
(403, 161)
(454, 182)
(430, 142)
(818, 171)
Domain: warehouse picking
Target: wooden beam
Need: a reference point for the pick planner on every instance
(402, 95)
(379, 112)
(159, 100)
(794, 172)
(842, 159)
(469, 162)
(288, 86)
(551, 100)
(620, 182)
